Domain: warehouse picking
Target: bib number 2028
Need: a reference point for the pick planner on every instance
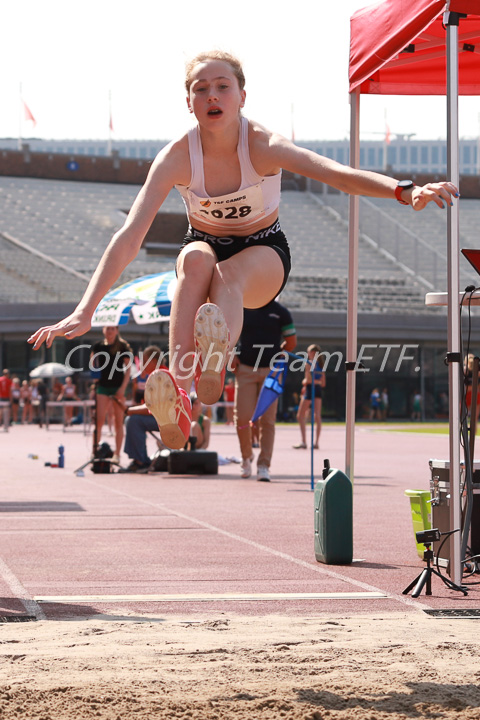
(229, 213)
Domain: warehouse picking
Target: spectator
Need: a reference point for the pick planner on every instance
(5, 386)
(313, 372)
(200, 429)
(114, 357)
(417, 406)
(140, 421)
(375, 406)
(384, 403)
(15, 398)
(35, 400)
(68, 392)
(26, 402)
(42, 391)
(152, 352)
(266, 331)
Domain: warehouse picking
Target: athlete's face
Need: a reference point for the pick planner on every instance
(215, 95)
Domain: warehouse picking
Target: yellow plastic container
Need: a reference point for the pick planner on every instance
(421, 513)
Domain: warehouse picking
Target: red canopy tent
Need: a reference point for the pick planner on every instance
(398, 48)
(415, 47)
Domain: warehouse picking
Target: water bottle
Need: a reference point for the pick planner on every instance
(61, 456)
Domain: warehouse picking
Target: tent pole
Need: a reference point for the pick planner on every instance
(352, 300)
(455, 361)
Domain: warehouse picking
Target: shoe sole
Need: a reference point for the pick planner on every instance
(211, 335)
(161, 398)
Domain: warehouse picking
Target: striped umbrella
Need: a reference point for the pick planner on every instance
(147, 298)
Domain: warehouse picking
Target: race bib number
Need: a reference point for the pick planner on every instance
(229, 210)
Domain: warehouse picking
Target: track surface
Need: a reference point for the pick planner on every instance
(157, 544)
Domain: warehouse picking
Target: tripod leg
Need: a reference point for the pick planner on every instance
(425, 577)
(89, 462)
(412, 584)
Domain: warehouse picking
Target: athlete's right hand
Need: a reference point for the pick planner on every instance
(70, 327)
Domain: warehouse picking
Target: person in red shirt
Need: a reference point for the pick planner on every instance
(5, 385)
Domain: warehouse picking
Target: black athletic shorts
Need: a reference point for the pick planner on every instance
(226, 247)
(308, 392)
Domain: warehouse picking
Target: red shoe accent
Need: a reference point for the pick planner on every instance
(171, 408)
(211, 342)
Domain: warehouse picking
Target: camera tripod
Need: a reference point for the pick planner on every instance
(425, 578)
(100, 461)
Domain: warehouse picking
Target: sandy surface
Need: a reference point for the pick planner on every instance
(400, 665)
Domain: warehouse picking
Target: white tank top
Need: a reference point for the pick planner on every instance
(257, 196)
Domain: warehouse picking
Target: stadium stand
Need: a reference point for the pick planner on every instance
(54, 232)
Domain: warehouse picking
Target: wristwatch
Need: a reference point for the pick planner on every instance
(401, 186)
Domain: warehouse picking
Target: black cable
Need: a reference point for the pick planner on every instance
(445, 538)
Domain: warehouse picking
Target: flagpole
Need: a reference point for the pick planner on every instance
(109, 148)
(20, 108)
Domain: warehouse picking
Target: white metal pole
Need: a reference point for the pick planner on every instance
(110, 124)
(352, 300)
(451, 21)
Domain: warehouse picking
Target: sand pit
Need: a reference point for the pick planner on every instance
(367, 667)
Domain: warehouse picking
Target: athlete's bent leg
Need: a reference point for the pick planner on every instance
(241, 281)
(195, 268)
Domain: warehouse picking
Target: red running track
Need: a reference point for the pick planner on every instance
(157, 544)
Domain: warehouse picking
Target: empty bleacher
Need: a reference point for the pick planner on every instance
(418, 240)
(318, 237)
(71, 223)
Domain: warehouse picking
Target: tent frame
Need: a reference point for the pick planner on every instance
(454, 359)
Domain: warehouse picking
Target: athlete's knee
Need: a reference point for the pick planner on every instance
(197, 263)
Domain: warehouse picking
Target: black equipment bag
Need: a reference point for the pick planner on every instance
(193, 462)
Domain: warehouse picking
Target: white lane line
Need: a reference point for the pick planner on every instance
(318, 568)
(207, 597)
(19, 591)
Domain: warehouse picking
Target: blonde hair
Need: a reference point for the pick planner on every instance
(202, 57)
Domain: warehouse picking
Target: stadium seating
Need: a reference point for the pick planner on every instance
(401, 254)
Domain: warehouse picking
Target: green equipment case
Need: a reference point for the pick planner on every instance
(333, 498)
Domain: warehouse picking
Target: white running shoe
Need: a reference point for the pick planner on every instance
(263, 473)
(211, 342)
(246, 467)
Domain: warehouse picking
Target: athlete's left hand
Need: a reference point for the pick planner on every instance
(440, 193)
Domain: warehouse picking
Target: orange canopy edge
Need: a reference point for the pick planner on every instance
(398, 47)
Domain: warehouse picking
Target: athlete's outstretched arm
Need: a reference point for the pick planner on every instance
(122, 249)
(353, 181)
